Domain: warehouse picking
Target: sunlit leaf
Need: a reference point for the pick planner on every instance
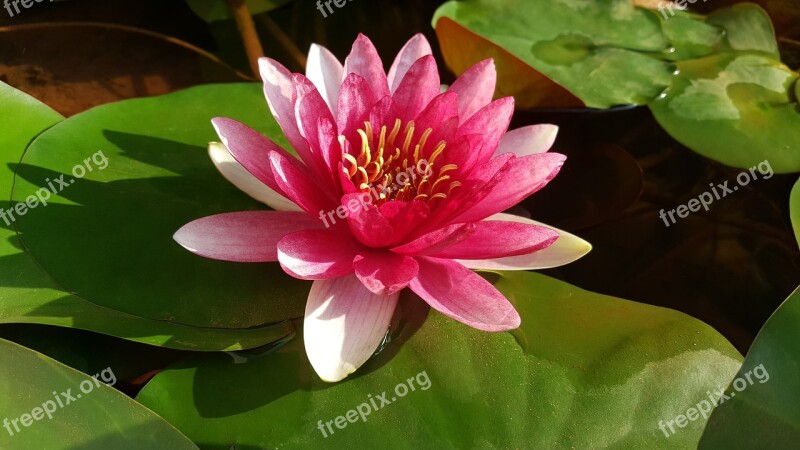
(583, 371)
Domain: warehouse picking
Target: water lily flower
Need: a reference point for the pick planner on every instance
(395, 185)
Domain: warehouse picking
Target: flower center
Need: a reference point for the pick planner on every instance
(392, 165)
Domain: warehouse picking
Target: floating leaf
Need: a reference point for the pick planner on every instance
(48, 405)
(762, 408)
(584, 371)
(714, 83)
(108, 236)
(603, 52)
(29, 295)
(735, 108)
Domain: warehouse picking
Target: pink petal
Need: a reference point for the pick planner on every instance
(461, 294)
(297, 184)
(415, 48)
(491, 122)
(476, 187)
(331, 150)
(496, 239)
(518, 179)
(384, 226)
(317, 254)
(418, 87)
(249, 147)
(248, 236)
(326, 72)
(441, 116)
(475, 88)
(384, 272)
(463, 153)
(383, 113)
(245, 181)
(344, 325)
(528, 140)
(566, 249)
(404, 217)
(438, 240)
(356, 100)
(366, 222)
(364, 61)
(314, 118)
(280, 93)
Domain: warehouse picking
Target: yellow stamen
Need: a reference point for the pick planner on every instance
(438, 151)
(394, 166)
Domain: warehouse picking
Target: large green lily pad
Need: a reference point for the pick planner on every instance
(584, 371)
(29, 295)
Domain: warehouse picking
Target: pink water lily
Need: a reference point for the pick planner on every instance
(347, 219)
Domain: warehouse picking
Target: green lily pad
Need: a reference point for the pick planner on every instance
(48, 405)
(715, 83)
(735, 108)
(794, 210)
(747, 28)
(762, 410)
(690, 38)
(29, 295)
(602, 51)
(584, 371)
(107, 237)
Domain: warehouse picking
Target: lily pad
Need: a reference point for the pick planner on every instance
(107, 237)
(29, 295)
(735, 108)
(600, 51)
(762, 408)
(715, 83)
(584, 371)
(49, 405)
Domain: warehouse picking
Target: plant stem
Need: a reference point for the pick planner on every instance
(247, 30)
